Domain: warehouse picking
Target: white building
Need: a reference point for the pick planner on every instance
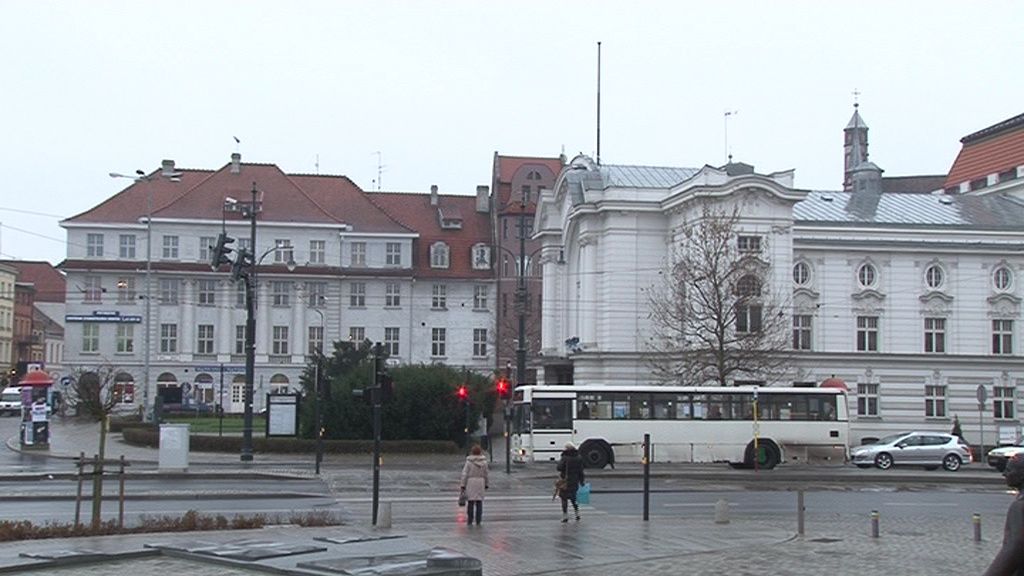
(910, 295)
(411, 271)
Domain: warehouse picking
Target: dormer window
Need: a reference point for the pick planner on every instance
(451, 224)
(450, 217)
(481, 257)
(439, 255)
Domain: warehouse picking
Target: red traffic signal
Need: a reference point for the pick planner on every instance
(462, 393)
(502, 387)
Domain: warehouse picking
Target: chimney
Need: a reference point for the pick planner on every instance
(167, 169)
(236, 163)
(483, 200)
(433, 194)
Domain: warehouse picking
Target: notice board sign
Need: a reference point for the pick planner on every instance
(283, 414)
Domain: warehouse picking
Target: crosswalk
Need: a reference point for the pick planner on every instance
(445, 509)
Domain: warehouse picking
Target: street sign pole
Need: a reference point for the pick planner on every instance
(982, 394)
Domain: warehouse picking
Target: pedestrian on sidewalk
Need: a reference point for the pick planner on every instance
(570, 470)
(1009, 561)
(474, 483)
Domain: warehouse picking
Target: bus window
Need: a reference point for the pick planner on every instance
(593, 407)
(699, 407)
(822, 408)
(718, 407)
(552, 414)
(640, 406)
(620, 406)
(521, 419)
(742, 407)
(664, 407)
(586, 409)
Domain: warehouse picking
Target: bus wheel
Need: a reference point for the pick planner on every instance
(767, 457)
(595, 454)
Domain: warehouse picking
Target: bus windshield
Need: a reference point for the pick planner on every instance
(521, 419)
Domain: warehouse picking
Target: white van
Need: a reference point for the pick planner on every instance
(10, 401)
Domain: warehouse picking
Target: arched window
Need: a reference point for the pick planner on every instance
(1002, 279)
(439, 255)
(801, 274)
(934, 277)
(748, 286)
(866, 275)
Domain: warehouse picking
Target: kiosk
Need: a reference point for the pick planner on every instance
(35, 410)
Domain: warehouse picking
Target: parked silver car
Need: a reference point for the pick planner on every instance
(928, 449)
(997, 457)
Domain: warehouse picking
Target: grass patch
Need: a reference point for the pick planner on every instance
(233, 424)
(190, 521)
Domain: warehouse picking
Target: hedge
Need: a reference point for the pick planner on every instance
(148, 436)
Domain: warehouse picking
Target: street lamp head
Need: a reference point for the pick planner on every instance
(291, 265)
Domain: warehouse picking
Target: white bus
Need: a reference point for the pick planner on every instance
(686, 424)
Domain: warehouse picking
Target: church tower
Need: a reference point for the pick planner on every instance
(855, 147)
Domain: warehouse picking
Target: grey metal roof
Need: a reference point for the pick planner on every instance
(912, 209)
(644, 176)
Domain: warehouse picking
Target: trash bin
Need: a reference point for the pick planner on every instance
(173, 447)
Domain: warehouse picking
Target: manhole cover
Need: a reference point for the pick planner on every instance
(826, 540)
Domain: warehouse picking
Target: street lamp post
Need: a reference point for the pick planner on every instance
(317, 415)
(141, 176)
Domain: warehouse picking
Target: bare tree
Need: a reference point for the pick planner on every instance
(92, 397)
(715, 318)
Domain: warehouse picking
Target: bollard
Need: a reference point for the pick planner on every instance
(722, 512)
(800, 512)
(874, 523)
(976, 520)
(384, 521)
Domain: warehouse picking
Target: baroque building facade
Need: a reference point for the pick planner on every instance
(411, 271)
(908, 289)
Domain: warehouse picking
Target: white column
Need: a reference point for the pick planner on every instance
(225, 327)
(588, 279)
(298, 331)
(188, 315)
(264, 331)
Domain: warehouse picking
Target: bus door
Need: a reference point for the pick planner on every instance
(551, 425)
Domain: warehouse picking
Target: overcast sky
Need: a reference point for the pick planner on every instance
(87, 88)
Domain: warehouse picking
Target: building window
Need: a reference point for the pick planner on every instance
(393, 254)
(1003, 401)
(439, 297)
(748, 244)
(437, 341)
(125, 338)
(170, 249)
(748, 318)
(317, 250)
(94, 245)
(1002, 279)
(934, 401)
(357, 295)
(126, 246)
(169, 290)
(236, 393)
(315, 340)
(866, 275)
(934, 277)
(867, 333)
(801, 332)
(439, 255)
(392, 295)
(280, 293)
(481, 257)
(206, 246)
(126, 290)
(867, 399)
(283, 252)
(240, 339)
(1007, 175)
(316, 294)
(207, 292)
(359, 254)
(935, 335)
(480, 342)
(801, 274)
(391, 338)
(93, 290)
(979, 183)
(525, 191)
(245, 244)
(1002, 336)
(356, 334)
(204, 339)
(279, 346)
(168, 338)
(480, 297)
(90, 337)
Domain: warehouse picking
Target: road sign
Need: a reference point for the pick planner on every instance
(982, 394)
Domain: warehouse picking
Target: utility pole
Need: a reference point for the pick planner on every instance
(250, 333)
(521, 296)
(375, 395)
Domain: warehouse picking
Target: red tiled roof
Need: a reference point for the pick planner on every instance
(200, 195)
(48, 282)
(415, 212)
(989, 151)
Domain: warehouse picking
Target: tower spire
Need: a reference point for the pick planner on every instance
(855, 143)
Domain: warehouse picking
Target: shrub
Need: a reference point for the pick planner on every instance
(150, 437)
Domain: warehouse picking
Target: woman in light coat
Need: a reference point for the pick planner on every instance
(473, 483)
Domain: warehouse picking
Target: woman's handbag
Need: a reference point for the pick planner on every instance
(462, 497)
(583, 494)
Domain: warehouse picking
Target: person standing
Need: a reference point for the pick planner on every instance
(1009, 561)
(474, 483)
(570, 470)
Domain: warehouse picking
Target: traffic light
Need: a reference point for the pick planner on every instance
(501, 386)
(462, 393)
(219, 253)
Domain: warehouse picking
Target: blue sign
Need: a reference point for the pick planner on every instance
(103, 316)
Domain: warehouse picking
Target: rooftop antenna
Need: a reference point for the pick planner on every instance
(599, 103)
(380, 169)
(726, 115)
(317, 164)
(856, 97)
